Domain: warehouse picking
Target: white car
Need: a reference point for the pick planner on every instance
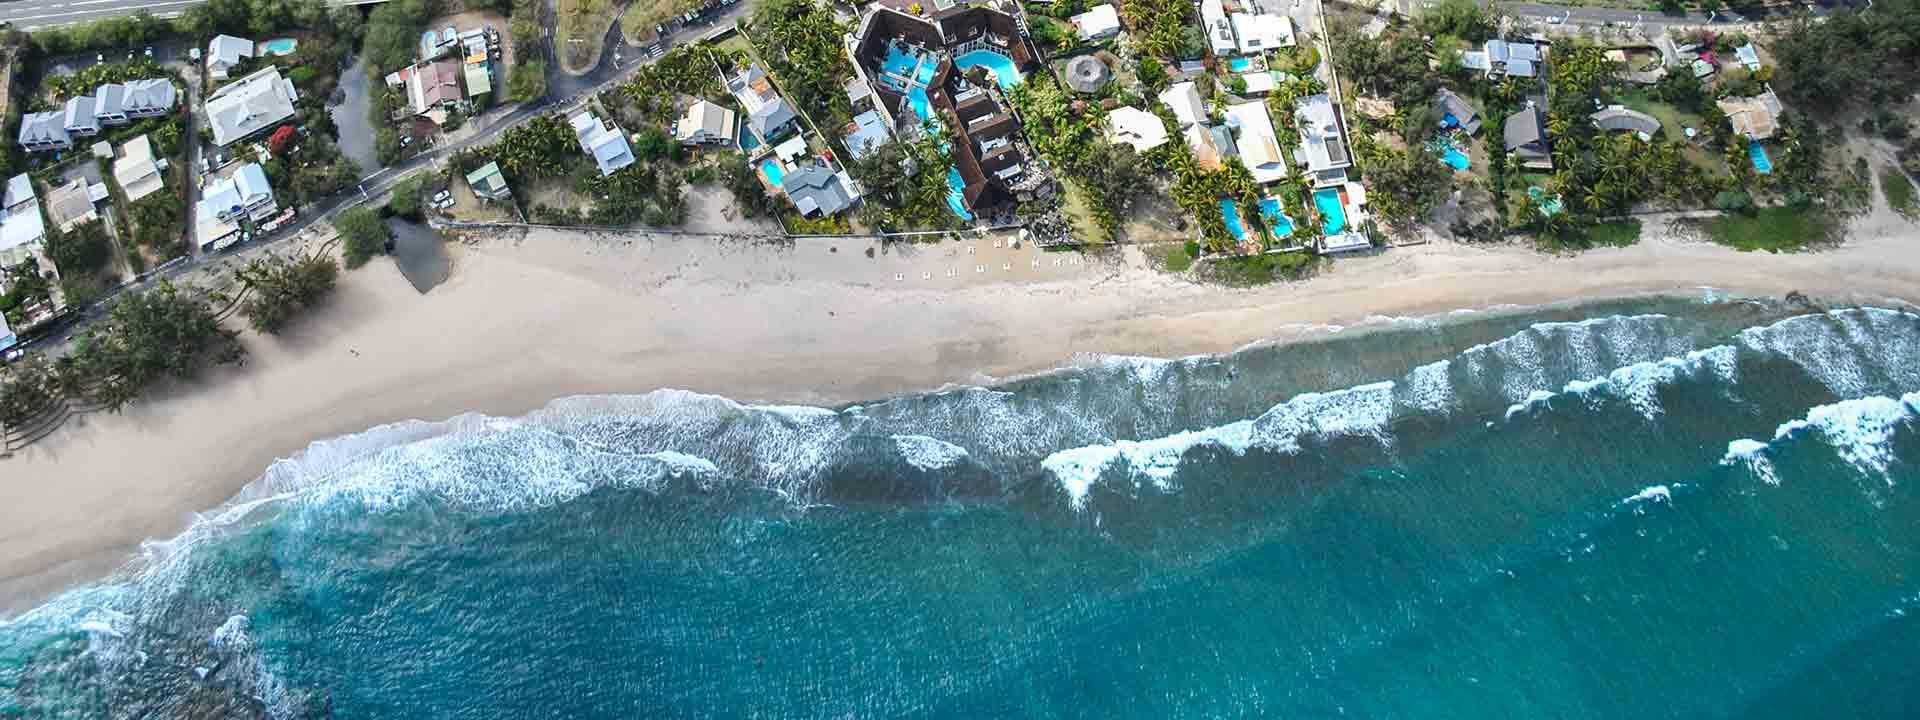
(443, 196)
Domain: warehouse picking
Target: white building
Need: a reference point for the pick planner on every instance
(1099, 23)
(1213, 19)
(706, 123)
(1185, 101)
(44, 131)
(224, 204)
(22, 230)
(1258, 145)
(1323, 145)
(136, 170)
(1139, 128)
(602, 141)
(1259, 33)
(225, 52)
(250, 105)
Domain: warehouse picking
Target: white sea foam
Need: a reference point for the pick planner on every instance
(1651, 494)
(1152, 461)
(1358, 411)
(1752, 454)
(1639, 384)
(1430, 388)
(1860, 430)
(927, 453)
(1853, 352)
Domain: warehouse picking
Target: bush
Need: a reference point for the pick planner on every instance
(281, 287)
(1733, 201)
(147, 336)
(362, 234)
(1899, 192)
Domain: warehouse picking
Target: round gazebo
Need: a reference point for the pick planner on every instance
(1087, 74)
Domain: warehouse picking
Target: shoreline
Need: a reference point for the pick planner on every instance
(532, 317)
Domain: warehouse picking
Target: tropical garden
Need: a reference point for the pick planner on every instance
(800, 40)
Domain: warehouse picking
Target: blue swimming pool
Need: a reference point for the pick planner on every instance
(748, 141)
(773, 171)
(1761, 163)
(1001, 65)
(1240, 64)
(1456, 159)
(1230, 211)
(1276, 218)
(1333, 217)
(917, 97)
(956, 194)
(279, 46)
(899, 62)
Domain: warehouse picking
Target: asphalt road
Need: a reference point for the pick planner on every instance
(30, 14)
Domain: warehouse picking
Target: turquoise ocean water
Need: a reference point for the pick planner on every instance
(1658, 508)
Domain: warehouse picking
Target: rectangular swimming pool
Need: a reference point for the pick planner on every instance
(1333, 216)
(956, 194)
(1240, 64)
(773, 171)
(1761, 163)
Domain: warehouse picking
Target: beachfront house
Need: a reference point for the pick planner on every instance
(1756, 117)
(1526, 138)
(488, 183)
(136, 169)
(226, 204)
(224, 52)
(250, 105)
(1500, 58)
(1455, 111)
(1323, 144)
(817, 191)
(1258, 33)
(1132, 126)
(767, 113)
(706, 123)
(603, 141)
(1099, 23)
(23, 233)
(43, 131)
(1185, 102)
(1258, 145)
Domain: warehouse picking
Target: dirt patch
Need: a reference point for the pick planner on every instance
(710, 208)
(581, 29)
(641, 16)
(468, 207)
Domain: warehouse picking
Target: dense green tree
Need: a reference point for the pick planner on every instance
(362, 235)
(145, 337)
(801, 40)
(280, 287)
(84, 250)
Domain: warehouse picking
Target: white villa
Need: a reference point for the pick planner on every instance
(1258, 145)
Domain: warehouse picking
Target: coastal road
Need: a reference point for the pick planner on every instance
(1576, 15)
(31, 14)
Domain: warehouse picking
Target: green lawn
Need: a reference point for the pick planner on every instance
(1619, 233)
(1263, 269)
(1899, 192)
(1672, 119)
(1774, 229)
(1178, 259)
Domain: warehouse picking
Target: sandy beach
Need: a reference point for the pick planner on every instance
(528, 318)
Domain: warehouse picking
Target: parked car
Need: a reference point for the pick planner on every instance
(442, 196)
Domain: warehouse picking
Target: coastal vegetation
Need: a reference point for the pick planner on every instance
(277, 288)
(1899, 193)
(1066, 133)
(146, 336)
(581, 30)
(527, 79)
(1774, 229)
(393, 33)
(800, 42)
(362, 235)
(905, 183)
